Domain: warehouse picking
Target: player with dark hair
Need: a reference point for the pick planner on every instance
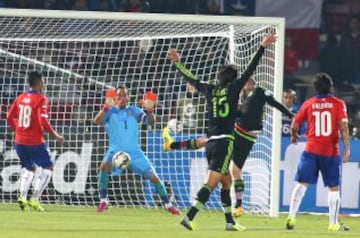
(289, 100)
(325, 115)
(28, 117)
(121, 124)
(248, 125)
(222, 101)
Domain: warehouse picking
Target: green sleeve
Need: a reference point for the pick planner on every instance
(185, 72)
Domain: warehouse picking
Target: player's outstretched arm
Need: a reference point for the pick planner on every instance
(149, 103)
(273, 102)
(99, 117)
(267, 40)
(109, 102)
(174, 57)
(151, 118)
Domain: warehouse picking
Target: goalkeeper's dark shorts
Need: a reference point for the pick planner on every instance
(243, 144)
(218, 154)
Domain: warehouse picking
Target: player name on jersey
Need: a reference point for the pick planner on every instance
(322, 105)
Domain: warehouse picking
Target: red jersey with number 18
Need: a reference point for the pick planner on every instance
(323, 115)
(27, 116)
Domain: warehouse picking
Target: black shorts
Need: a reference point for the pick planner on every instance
(218, 154)
(243, 144)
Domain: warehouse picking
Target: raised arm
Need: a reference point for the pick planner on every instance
(99, 117)
(150, 118)
(148, 103)
(109, 102)
(266, 41)
(174, 57)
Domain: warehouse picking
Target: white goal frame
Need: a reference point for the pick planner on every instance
(278, 23)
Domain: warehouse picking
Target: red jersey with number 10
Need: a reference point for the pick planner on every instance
(323, 115)
(28, 117)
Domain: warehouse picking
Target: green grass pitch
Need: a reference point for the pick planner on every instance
(76, 222)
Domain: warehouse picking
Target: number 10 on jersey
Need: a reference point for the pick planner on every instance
(323, 125)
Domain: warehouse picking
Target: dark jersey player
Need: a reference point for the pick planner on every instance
(222, 101)
(248, 125)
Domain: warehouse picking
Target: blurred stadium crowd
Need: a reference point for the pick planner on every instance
(338, 44)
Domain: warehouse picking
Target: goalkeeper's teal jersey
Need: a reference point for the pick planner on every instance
(122, 127)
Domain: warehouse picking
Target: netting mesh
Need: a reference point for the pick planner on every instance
(82, 58)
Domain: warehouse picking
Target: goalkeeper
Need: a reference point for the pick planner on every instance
(248, 125)
(222, 101)
(121, 124)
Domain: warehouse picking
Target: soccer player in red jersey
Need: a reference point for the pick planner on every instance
(28, 117)
(325, 116)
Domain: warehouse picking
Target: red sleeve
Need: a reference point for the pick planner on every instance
(342, 114)
(44, 115)
(12, 116)
(300, 115)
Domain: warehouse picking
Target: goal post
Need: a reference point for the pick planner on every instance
(82, 54)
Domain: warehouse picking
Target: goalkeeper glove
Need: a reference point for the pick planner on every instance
(149, 101)
(109, 100)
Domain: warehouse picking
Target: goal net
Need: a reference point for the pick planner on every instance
(83, 54)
